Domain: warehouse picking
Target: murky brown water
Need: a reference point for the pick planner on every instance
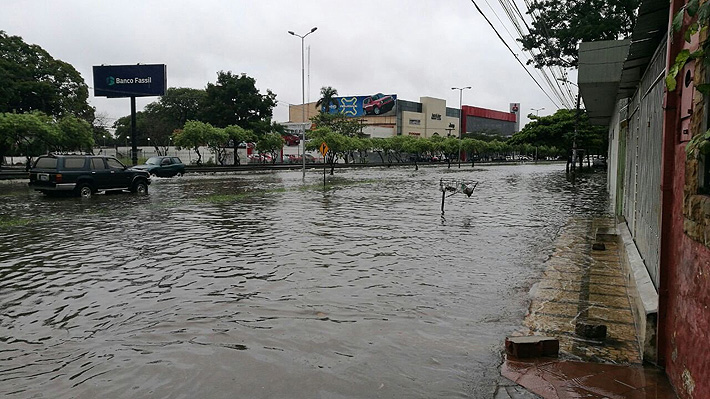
(253, 286)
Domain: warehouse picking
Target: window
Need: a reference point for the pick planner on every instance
(97, 164)
(114, 164)
(74, 162)
(46, 163)
(415, 121)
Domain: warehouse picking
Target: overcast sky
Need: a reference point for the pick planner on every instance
(411, 48)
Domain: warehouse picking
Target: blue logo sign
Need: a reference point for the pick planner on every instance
(375, 105)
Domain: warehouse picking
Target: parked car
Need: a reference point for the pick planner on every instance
(85, 175)
(599, 163)
(259, 158)
(378, 104)
(163, 166)
(290, 158)
(292, 139)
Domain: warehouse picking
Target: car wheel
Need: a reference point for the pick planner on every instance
(376, 110)
(84, 190)
(140, 187)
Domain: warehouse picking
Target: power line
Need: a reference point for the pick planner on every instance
(513, 53)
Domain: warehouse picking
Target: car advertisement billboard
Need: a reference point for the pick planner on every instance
(130, 80)
(374, 105)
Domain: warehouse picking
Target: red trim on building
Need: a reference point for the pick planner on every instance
(488, 113)
(468, 110)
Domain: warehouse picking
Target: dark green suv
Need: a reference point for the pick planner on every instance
(85, 175)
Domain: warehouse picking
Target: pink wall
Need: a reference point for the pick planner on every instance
(684, 292)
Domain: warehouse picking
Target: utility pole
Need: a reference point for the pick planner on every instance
(460, 89)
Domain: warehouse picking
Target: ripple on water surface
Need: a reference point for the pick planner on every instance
(257, 284)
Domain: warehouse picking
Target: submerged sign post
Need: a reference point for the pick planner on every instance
(141, 80)
(323, 150)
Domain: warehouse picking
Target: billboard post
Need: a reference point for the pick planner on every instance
(140, 80)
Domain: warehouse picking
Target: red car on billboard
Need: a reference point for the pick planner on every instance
(377, 104)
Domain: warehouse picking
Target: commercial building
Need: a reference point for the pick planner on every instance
(383, 115)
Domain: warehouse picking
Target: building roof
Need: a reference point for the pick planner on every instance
(611, 70)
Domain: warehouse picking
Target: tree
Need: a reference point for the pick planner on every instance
(238, 134)
(181, 104)
(362, 146)
(31, 80)
(194, 135)
(558, 26)
(558, 130)
(74, 134)
(382, 146)
(327, 98)
(216, 140)
(338, 144)
(99, 128)
(30, 134)
(271, 143)
(471, 147)
(235, 100)
(416, 146)
(338, 123)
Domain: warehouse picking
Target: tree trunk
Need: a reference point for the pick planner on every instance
(199, 156)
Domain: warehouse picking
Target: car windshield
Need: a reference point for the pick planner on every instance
(153, 161)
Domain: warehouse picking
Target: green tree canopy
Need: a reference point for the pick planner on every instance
(34, 133)
(338, 123)
(557, 130)
(558, 26)
(194, 135)
(271, 143)
(235, 100)
(31, 80)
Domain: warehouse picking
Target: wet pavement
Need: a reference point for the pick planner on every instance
(561, 379)
(258, 285)
(583, 285)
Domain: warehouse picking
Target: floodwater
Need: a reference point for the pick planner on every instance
(258, 286)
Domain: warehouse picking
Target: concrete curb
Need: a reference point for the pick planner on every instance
(642, 294)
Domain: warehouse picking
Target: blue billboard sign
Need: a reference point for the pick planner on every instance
(374, 105)
(130, 80)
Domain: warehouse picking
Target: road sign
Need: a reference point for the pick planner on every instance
(323, 148)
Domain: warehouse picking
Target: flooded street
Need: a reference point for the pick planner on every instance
(256, 286)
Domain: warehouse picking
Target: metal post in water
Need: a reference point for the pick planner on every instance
(443, 197)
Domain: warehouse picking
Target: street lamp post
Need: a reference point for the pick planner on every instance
(303, 95)
(537, 110)
(576, 122)
(460, 89)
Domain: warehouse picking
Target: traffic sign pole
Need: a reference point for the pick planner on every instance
(323, 150)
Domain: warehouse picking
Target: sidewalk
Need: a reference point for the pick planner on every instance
(584, 286)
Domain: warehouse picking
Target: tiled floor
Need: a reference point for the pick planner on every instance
(582, 285)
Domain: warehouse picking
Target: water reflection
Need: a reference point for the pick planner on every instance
(255, 286)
